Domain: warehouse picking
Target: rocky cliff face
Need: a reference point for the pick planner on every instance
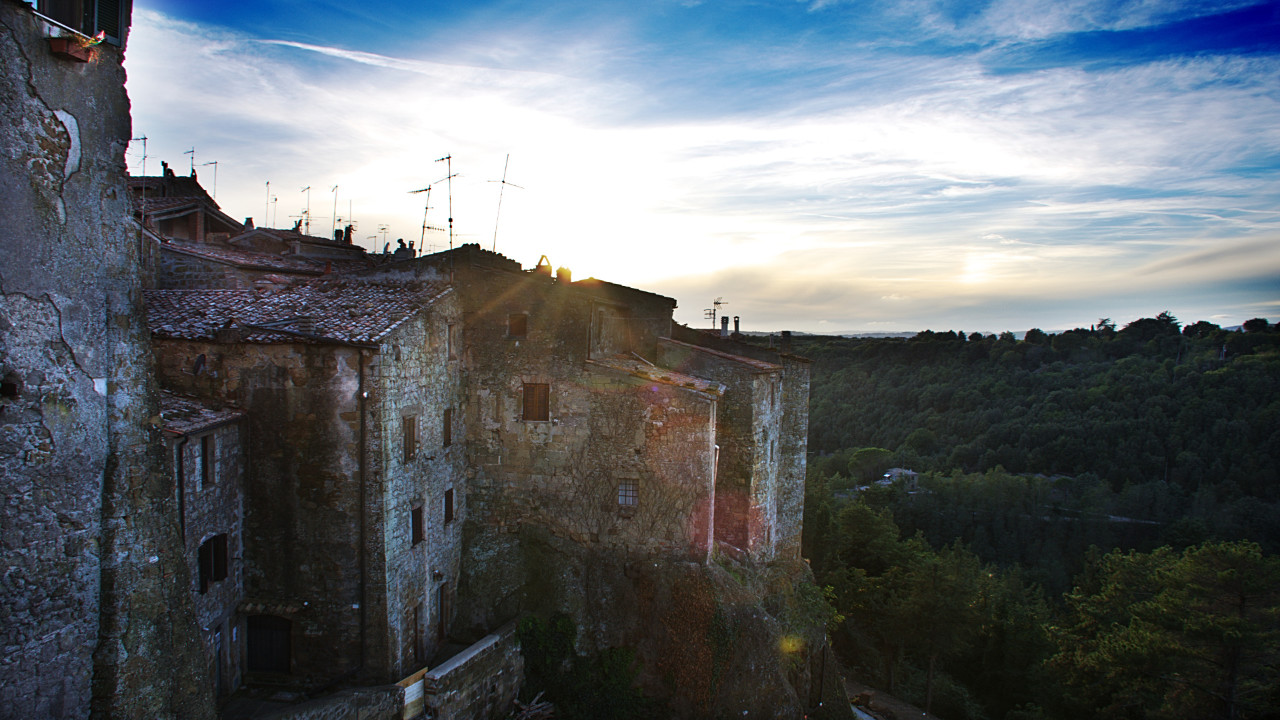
(715, 640)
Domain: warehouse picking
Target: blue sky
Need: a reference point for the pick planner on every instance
(823, 166)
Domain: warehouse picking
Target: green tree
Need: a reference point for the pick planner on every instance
(1171, 635)
(866, 464)
(1255, 325)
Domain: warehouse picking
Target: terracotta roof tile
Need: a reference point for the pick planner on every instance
(752, 362)
(247, 258)
(641, 369)
(324, 310)
(183, 415)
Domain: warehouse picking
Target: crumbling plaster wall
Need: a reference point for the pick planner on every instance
(415, 377)
(303, 502)
(93, 585)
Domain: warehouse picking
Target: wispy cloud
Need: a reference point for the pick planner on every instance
(825, 180)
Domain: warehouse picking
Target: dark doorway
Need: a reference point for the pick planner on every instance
(442, 611)
(269, 643)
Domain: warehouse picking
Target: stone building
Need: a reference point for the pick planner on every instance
(354, 503)
(178, 208)
(95, 603)
(207, 458)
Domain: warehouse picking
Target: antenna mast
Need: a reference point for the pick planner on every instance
(448, 161)
(306, 214)
(713, 310)
(501, 187)
(334, 190)
(144, 170)
(215, 177)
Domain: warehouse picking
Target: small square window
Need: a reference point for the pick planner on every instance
(448, 506)
(517, 325)
(628, 494)
(537, 401)
(417, 527)
(448, 427)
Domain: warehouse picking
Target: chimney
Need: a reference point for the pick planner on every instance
(786, 341)
(248, 223)
(735, 326)
(724, 326)
(563, 275)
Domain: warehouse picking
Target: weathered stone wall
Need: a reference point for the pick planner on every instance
(303, 504)
(603, 427)
(478, 683)
(93, 599)
(180, 271)
(415, 378)
(793, 446)
(747, 432)
(606, 428)
(212, 503)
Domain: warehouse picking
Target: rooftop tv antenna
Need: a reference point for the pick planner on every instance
(306, 214)
(215, 177)
(334, 190)
(192, 153)
(422, 241)
(713, 310)
(266, 209)
(501, 187)
(144, 156)
(144, 166)
(448, 161)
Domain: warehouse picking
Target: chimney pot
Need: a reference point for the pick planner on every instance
(735, 325)
(724, 326)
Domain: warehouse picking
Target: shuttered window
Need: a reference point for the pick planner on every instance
(536, 401)
(88, 16)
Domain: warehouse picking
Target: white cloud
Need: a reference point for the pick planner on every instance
(913, 185)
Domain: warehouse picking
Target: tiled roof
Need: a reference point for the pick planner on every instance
(598, 286)
(323, 310)
(641, 369)
(247, 258)
(757, 364)
(183, 416)
(161, 204)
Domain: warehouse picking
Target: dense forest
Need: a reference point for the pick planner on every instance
(1092, 530)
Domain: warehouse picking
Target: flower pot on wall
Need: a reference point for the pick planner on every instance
(70, 48)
